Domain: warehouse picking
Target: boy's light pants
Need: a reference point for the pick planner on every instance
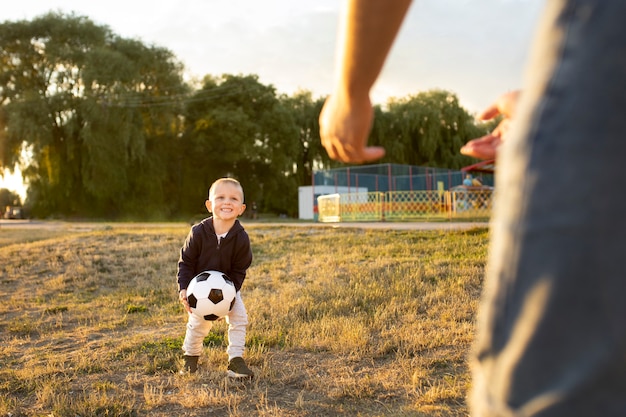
(198, 329)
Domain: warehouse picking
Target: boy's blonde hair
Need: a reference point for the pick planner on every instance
(226, 180)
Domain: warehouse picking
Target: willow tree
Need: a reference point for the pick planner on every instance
(310, 155)
(428, 129)
(8, 198)
(237, 126)
(98, 114)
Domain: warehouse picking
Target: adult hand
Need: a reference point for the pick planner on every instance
(344, 127)
(486, 147)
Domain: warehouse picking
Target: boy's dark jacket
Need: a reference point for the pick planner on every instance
(201, 252)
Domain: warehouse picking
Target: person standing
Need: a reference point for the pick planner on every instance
(552, 323)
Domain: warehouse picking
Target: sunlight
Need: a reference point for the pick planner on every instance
(13, 182)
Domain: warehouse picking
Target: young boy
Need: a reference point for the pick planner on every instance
(218, 243)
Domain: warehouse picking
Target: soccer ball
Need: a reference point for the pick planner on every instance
(211, 295)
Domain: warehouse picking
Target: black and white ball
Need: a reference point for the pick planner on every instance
(211, 295)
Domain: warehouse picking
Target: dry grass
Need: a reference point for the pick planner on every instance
(342, 322)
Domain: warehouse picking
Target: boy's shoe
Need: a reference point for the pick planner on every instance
(191, 364)
(237, 368)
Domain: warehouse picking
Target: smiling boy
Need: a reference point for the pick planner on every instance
(218, 243)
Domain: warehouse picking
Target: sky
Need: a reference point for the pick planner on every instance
(473, 48)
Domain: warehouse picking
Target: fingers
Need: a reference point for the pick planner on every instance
(506, 105)
(502, 130)
(485, 147)
(348, 154)
(182, 296)
(489, 113)
(339, 151)
(372, 153)
(345, 125)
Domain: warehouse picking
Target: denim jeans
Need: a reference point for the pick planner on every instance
(552, 323)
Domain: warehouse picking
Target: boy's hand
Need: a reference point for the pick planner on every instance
(182, 296)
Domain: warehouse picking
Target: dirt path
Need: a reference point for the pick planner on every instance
(78, 226)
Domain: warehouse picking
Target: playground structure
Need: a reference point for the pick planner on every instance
(389, 192)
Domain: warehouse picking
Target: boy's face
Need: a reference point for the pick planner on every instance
(226, 202)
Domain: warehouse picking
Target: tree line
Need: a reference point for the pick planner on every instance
(113, 131)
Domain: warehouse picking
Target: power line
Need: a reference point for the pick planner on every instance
(136, 100)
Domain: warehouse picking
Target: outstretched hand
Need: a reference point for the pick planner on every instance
(344, 127)
(486, 147)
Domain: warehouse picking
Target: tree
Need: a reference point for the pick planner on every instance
(427, 129)
(98, 113)
(113, 131)
(310, 155)
(8, 198)
(236, 126)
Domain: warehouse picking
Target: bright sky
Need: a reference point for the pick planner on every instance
(474, 48)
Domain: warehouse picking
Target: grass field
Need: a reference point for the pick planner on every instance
(343, 322)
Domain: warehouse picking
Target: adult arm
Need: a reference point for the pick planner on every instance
(366, 34)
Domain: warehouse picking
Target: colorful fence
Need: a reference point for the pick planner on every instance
(394, 177)
(361, 206)
(463, 202)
